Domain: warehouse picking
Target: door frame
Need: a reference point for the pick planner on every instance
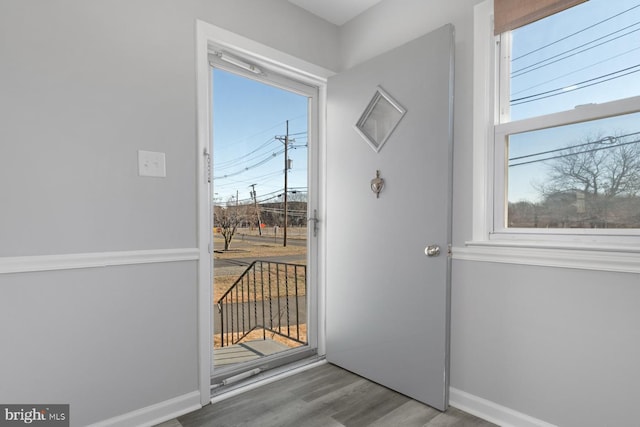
(289, 66)
(272, 78)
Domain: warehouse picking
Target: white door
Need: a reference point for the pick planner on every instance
(387, 301)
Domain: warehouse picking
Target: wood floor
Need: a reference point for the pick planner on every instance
(325, 396)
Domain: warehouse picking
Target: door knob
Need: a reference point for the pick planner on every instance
(432, 250)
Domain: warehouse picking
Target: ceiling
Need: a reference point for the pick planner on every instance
(336, 11)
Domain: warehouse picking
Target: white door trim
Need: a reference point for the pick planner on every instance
(290, 66)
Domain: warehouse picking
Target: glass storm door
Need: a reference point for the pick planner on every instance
(263, 179)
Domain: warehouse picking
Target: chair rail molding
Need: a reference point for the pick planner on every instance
(622, 260)
(28, 264)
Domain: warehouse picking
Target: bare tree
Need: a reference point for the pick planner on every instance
(523, 214)
(598, 172)
(227, 219)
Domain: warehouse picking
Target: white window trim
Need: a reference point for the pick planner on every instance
(584, 113)
(620, 253)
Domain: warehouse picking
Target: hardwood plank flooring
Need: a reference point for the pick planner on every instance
(325, 396)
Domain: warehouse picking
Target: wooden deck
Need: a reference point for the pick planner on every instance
(246, 351)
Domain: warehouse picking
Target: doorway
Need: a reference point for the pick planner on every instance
(364, 341)
(262, 205)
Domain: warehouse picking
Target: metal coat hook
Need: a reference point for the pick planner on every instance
(377, 184)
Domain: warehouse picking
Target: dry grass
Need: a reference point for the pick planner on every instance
(221, 285)
(285, 286)
(242, 248)
(254, 250)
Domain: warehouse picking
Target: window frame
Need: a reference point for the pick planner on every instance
(609, 250)
(500, 204)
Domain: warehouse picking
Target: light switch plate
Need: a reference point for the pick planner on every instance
(151, 163)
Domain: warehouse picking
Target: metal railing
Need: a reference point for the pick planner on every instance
(268, 296)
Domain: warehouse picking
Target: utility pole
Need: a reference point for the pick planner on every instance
(285, 139)
(255, 204)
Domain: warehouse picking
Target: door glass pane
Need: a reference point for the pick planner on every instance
(589, 53)
(260, 219)
(584, 175)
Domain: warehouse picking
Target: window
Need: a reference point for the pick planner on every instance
(566, 139)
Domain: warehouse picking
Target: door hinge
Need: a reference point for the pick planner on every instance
(207, 165)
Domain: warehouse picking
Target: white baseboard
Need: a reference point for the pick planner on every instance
(491, 411)
(155, 414)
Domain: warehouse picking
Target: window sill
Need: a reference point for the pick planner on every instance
(557, 255)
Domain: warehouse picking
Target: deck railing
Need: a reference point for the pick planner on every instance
(269, 297)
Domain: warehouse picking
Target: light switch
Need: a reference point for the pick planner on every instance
(151, 163)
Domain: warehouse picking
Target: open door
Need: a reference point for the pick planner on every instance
(264, 176)
(388, 269)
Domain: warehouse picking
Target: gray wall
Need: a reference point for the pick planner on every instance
(559, 345)
(84, 85)
(107, 341)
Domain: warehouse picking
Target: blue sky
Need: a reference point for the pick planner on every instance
(587, 54)
(247, 116)
(591, 40)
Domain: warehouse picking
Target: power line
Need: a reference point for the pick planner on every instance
(545, 62)
(278, 193)
(576, 33)
(226, 163)
(245, 158)
(576, 71)
(266, 143)
(601, 141)
(259, 163)
(280, 211)
(274, 195)
(574, 86)
(265, 130)
(233, 183)
(572, 89)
